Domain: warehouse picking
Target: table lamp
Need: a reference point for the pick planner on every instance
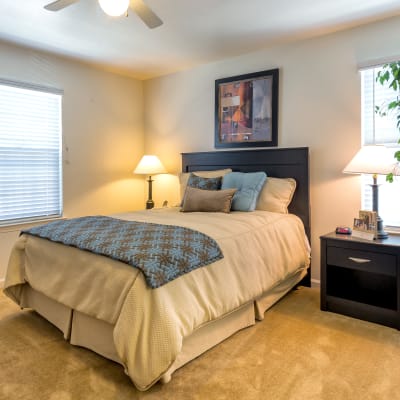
(150, 165)
(374, 160)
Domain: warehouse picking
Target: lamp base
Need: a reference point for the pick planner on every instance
(380, 233)
(149, 204)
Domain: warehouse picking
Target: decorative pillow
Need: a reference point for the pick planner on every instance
(249, 185)
(184, 177)
(203, 183)
(199, 182)
(207, 200)
(276, 195)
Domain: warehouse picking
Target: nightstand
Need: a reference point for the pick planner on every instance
(361, 278)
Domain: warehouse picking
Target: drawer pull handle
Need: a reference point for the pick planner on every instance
(359, 260)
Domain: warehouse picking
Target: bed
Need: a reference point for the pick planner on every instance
(106, 306)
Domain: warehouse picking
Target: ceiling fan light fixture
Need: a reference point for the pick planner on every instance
(114, 8)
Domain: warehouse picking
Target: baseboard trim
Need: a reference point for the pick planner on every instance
(315, 283)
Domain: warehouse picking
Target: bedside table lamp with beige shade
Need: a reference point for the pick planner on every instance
(150, 165)
(374, 160)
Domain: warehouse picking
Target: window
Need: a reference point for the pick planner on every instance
(379, 130)
(30, 153)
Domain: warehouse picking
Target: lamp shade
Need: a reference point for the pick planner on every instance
(114, 8)
(150, 165)
(374, 159)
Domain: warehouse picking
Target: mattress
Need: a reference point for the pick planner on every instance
(261, 250)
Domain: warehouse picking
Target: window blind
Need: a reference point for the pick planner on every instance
(376, 129)
(30, 154)
(379, 130)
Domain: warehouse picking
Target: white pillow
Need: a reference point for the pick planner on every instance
(184, 177)
(276, 195)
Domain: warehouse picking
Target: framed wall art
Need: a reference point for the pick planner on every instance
(246, 110)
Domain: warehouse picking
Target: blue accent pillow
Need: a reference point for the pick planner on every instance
(248, 185)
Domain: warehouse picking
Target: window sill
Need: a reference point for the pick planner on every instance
(392, 230)
(18, 226)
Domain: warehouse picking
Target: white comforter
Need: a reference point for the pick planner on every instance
(260, 250)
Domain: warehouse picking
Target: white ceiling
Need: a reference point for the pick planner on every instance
(194, 31)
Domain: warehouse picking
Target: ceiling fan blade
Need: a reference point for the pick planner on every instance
(145, 13)
(59, 4)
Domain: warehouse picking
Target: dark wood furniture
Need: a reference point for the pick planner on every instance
(361, 278)
(279, 162)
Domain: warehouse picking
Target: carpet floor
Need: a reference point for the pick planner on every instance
(297, 352)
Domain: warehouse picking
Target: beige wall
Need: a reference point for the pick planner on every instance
(102, 132)
(319, 107)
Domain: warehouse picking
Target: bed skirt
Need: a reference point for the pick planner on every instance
(76, 326)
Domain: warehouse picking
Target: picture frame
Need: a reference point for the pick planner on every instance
(365, 226)
(246, 110)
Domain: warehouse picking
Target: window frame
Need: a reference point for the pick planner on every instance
(372, 126)
(42, 216)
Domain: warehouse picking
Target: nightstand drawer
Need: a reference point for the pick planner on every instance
(379, 263)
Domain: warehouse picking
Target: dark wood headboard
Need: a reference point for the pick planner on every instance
(278, 162)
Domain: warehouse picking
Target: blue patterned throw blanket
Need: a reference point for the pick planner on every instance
(161, 252)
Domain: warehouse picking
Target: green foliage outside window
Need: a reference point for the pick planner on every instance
(390, 75)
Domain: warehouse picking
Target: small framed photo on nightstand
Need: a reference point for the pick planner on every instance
(364, 226)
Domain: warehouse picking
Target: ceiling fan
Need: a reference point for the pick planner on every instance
(116, 8)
